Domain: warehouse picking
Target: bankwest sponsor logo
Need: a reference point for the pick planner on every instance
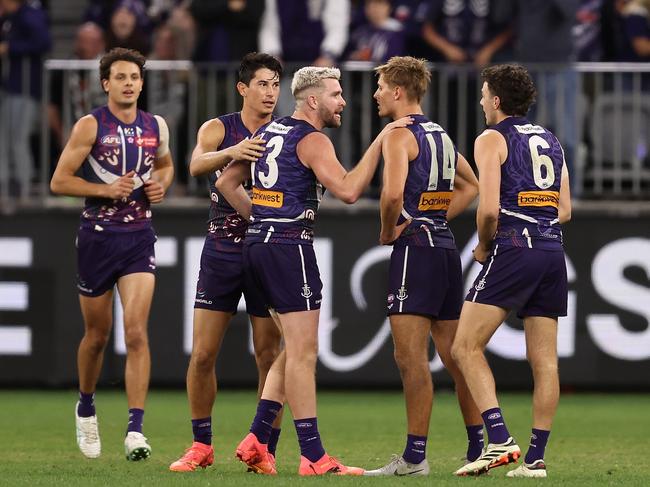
(434, 200)
(274, 199)
(538, 198)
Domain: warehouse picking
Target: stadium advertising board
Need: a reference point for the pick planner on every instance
(603, 342)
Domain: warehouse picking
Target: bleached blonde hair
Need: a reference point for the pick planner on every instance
(310, 77)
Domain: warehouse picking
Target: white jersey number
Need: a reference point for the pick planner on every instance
(539, 161)
(448, 168)
(269, 180)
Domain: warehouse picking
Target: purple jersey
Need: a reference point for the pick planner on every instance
(224, 221)
(530, 186)
(119, 148)
(286, 193)
(429, 186)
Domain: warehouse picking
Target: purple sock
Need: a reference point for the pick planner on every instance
(262, 425)
(202, 429)
(273, 440)
(135, 420)
(86, 406)
(495, 425)
(537, 445)
(474, 441)
(309, 438)
(416, 449)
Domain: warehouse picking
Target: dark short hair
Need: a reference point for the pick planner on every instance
(513, 85)
(120, 54)
(253, 61)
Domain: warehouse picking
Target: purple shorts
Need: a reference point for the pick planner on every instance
(286, 275)
(531, 281)
(103, 257)
(425, 281)
(221, 282)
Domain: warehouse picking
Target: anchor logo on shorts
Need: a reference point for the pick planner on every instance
(401, 293)
(306, 292)
(480, 286)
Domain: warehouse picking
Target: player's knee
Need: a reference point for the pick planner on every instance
(203, 360)
(96, 340)
(135, 340)
(265, 357)
(459, 352)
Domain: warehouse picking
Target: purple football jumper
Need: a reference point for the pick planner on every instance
(425, 276)
(221, 276)
(526, 268)
(115, 237)
(278, 250)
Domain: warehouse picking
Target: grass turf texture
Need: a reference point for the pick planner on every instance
(597, 440)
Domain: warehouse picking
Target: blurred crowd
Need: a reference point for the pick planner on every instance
(320, 32)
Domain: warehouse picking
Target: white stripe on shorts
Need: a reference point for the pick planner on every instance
(304, 274)
(406, 259)
(496, 247)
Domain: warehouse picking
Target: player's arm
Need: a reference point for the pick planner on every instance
(64, 181)
(564, 209)
(465, 188)
(489, 150)
(206, 159)
(230, 186)
(163, 166)
(317, 152)
(396, 167)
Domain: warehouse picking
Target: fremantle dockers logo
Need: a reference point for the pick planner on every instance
(481, 285)
(306, 292)
(401, 293)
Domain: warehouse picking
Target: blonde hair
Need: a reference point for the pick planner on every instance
(310, 77)
(407, 72)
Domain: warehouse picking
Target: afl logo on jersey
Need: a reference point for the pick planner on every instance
(111, 140)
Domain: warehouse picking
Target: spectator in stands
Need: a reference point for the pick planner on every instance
(167, 95)
(587, 31)
(228, 28)
(126, 28)
(301, 32)
(25, 38)
(379, 38)
(412, 14)
(635, 16)
(101, 12)
(83, 88)
(463, 31)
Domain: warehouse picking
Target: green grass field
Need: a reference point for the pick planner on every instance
(597, 440)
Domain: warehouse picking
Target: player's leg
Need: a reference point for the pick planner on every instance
(208, 331)
(267, 340)
(97, 314)
(541, 350)
(443, 333)
(477, 324)
(411, 347)
(136, 293)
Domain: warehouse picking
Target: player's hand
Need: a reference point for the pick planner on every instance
(481, 253)
(395, 124)
(154, 191)
(248, 150)
(387, 237)
(122, 187)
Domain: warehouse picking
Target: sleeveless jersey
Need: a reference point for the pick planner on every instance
(530, 186)
(429, 187)
(286, 194)
(224, 222)
(118, 149)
